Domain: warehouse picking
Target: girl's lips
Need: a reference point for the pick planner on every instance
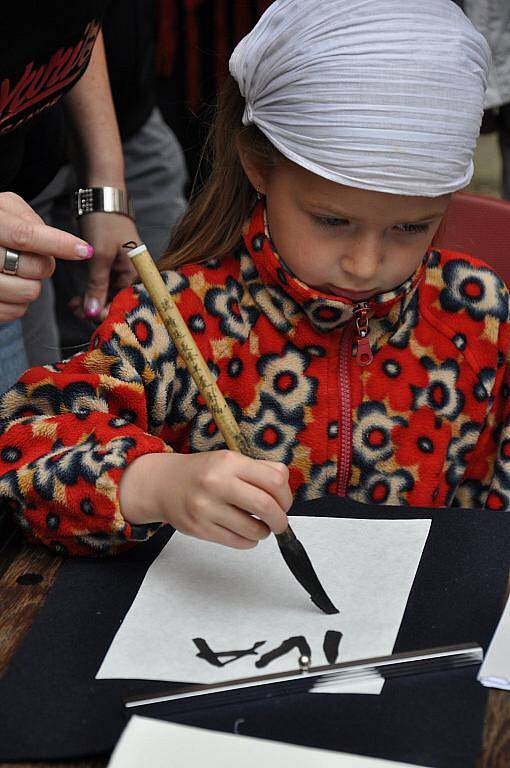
(356, 295)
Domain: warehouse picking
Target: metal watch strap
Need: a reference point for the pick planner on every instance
(104, 199)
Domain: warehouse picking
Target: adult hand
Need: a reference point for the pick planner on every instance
(110, 269)
(34, 247)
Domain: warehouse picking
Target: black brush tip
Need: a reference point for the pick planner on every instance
(299, 563)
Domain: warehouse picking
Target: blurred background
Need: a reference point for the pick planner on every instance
(194, 41)
(488, 167)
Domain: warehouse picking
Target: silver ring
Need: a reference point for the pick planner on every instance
(11, 262)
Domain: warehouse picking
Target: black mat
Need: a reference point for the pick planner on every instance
(52, 708)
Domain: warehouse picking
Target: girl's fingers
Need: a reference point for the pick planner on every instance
(250, 498)
(280, 484)
(228, 538)
(271, 477)
(241, 523)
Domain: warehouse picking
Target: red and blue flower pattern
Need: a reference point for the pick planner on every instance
(428, 421)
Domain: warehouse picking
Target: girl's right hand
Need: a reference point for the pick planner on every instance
(221, 496)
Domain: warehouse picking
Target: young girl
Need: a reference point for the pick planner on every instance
(357, 360)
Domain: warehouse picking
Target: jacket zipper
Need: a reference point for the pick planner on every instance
(363, 357)
(363, 351)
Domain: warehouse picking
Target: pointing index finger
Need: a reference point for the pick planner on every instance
(22, 235)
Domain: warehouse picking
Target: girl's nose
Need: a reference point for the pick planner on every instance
(364, 259)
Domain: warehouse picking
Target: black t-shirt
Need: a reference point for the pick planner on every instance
(129, 29)
(45, 47)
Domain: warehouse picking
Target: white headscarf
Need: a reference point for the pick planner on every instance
(384, 95)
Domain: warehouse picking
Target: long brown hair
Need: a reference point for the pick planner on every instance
(213, 224)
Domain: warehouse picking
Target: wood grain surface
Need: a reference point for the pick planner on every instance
(20, 602)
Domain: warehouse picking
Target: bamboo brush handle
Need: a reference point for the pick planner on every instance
(179, 332)
(187, 348)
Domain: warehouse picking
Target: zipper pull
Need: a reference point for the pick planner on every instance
(364, 354)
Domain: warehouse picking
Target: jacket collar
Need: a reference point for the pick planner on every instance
(284, 298)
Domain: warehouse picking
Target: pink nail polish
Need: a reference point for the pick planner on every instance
(91, 307)
(84, 251)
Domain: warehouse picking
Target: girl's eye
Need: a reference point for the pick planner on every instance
(331, 221)
(412, 229)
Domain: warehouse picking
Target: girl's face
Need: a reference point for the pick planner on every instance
(343, 240)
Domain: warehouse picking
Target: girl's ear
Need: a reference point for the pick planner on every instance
(256, 174)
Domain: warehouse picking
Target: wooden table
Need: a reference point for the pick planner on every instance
(30, 574)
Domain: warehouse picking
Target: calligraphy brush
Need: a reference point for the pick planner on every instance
(291, 548)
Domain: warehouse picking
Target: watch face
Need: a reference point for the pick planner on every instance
(83, 202)
(76, 203)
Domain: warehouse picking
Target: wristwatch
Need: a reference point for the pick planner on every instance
(105, 199)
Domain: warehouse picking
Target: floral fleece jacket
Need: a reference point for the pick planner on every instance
(418, 416)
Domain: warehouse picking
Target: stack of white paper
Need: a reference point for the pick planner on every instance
(158, 744)
(206, 613)
(495, 670)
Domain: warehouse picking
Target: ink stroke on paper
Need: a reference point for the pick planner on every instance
(206, 613)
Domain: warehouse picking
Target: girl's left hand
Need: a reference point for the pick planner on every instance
(110, 267)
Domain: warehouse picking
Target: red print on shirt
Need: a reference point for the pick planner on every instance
(44, 85)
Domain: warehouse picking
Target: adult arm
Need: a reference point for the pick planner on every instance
(98, 160)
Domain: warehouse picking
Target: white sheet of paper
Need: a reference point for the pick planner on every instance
(495, 669)
(159, 744)
(233, 599)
